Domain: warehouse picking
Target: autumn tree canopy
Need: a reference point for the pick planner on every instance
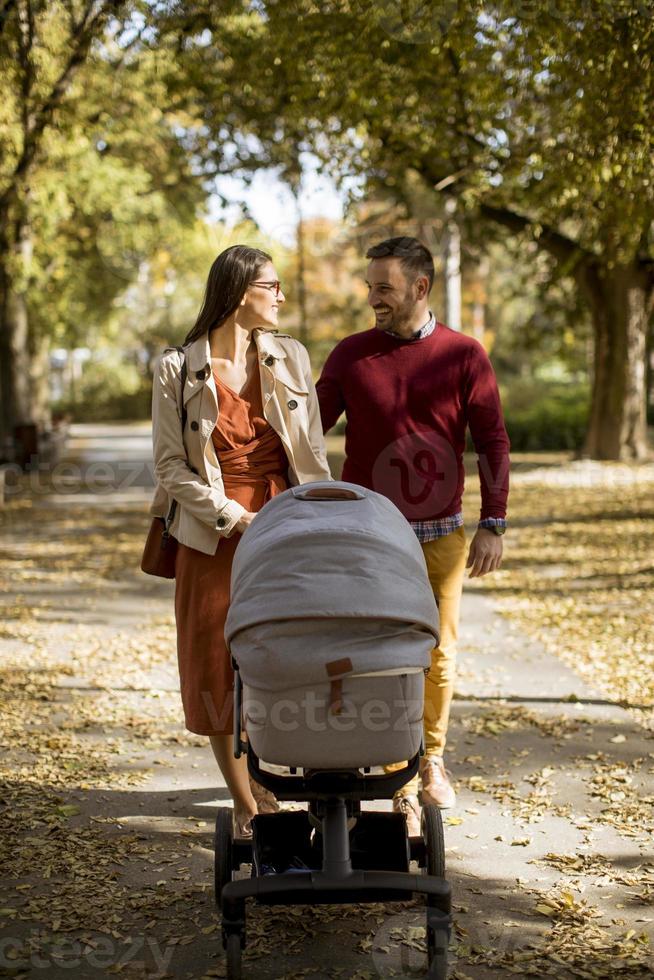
(534, 117)
(531, 119)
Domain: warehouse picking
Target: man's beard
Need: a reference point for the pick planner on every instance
(399, 318)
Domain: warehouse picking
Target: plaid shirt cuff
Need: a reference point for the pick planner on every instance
(430, 530)
(489, 522)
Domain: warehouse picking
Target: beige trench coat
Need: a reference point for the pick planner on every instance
(187, 468)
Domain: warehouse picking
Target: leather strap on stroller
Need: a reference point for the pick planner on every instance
(335, 668)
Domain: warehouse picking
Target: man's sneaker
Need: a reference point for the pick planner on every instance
(409, 806)
(436, 786)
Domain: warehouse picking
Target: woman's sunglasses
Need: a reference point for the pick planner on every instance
(274, 285)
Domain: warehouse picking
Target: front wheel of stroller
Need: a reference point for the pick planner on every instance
(437, 943)
(222, 861)
(233, 953)
(432, 833)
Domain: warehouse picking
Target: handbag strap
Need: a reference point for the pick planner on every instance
(182, 379)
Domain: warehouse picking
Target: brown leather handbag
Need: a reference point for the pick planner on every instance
(160, 546)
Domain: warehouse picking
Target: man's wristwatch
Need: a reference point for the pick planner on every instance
(497, 529)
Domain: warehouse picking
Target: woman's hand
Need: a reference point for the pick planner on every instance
(245, 521)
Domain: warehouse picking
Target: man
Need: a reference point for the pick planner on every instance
(409, 388)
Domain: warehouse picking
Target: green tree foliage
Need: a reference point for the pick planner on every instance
(96, 169)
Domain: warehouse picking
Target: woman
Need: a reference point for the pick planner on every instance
(252, 427)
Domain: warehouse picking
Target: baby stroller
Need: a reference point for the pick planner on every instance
(330, 629)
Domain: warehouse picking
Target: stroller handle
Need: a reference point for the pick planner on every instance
(327, 493)
(239, 745)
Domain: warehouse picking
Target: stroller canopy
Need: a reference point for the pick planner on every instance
(330, 562)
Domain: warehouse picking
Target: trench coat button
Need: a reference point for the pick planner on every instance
(195, 426)
(200, 375)
(269, 361)
(221, 522)
(292, 404)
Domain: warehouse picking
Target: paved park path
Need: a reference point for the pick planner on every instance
(108, 804)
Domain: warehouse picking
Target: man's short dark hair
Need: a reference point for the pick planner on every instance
(415, 258)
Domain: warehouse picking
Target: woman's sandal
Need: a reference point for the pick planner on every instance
(241, 826)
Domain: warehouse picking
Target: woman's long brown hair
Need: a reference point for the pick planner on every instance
(229, 277)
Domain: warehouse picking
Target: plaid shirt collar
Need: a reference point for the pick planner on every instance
(424, 331)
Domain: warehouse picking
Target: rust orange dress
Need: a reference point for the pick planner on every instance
(254, 467)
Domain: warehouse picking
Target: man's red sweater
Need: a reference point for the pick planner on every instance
(407, 405)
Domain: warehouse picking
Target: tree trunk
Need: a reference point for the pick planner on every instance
(7, 397)
(649, 372)
(480, 299)
(39, 378)
(620, 300)
(301, 277)
(19, 406)
(452, 264)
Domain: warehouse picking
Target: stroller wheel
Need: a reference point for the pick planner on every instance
(432, 833)
(437, 943)
(222, 863)
(438, 929)
(233, 952)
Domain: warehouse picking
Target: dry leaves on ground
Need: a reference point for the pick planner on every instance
(578, 573)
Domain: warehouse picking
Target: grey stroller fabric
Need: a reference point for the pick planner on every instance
(306, 557)
(380, 722)
(270, 655)
(332, 621)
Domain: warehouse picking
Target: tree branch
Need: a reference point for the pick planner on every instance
(563, 249)
(25, 45)
(85, 32)
(560, 246)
